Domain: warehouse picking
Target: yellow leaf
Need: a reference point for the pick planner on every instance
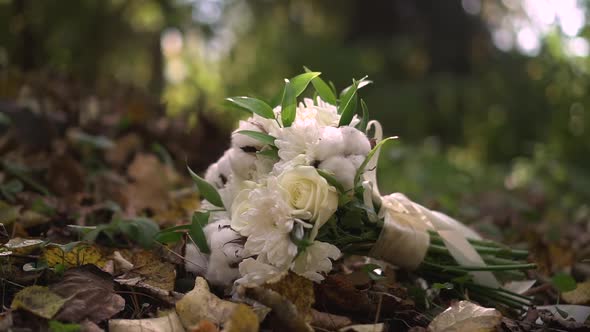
(580, 295)
(38, 300)
(81, 254)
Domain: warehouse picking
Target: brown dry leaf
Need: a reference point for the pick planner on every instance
(580, 295)
(466, 316)
(167, 323)
(338, 293)
(39, 300)
(200, 304)
(242, 319)
(23, 246)
(152, 181)
(90, 295)
(65, 176)
(364, 328)
(123, 148)
(297, 290)
(149, 271)
(326, 321)
(182, 205)
(80, 254)
(204, 326)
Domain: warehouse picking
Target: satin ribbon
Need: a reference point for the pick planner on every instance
(404, 239)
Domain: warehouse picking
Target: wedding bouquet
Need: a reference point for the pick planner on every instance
(297, 189)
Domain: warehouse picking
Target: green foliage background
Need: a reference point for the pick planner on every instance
(470, 117)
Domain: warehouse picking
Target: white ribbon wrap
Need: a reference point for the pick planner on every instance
(404, 239)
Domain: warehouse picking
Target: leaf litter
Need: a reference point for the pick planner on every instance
(84, 190)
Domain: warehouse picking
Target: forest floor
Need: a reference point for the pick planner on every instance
(88, 179)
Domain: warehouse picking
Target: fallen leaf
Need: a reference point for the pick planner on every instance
(6, 320)
(466, 316)
(200, 304)
(364, 328)
(152, 181)
(123, 148)
(90, 295)
(70, 256)
(326, 321)
(285, 312)
(297, 290)
(168, 323)
(38, 300)
(149, 270)
(23, 246)
(242, 319)
(580, 295)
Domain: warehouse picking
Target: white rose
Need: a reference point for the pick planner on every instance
(310, 195)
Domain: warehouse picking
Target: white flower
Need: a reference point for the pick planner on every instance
(342, 168)
(315, 260)
(264, 216)
(256, 272)
(323, 114)
(297, 140)
(309, 195)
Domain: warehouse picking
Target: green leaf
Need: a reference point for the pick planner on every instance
(288, 105)
(141, 230)
(206, 189)
(253, 105)
(270, 153)
(371, 270)
(264, 138)
(57, 326)
(300, 82)
(331, 180)
(446, 285)
(172, 234)
(563, 282)
(361, 169)
(199, 221)
(4, 119)
(347, 106)
(361, 83)
(169, 237)
(323, 89)
(362, 126)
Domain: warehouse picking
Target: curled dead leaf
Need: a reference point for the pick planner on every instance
(90, 295)
(200, 304)
(466, 316)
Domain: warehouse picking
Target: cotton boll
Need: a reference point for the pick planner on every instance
(226, 252)
(355, 141)
(242, 164)
(342, 168)
(330, 143)
(356, 160)
(224, 166)
(245, 142)
(213, 177)
(195, 261)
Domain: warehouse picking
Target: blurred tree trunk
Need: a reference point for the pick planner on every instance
(26, 46)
